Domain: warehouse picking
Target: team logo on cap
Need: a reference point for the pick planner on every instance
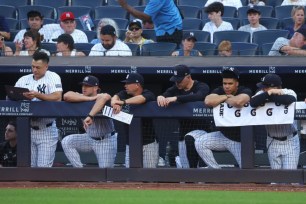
(68, 15)
(86, 78)
(175, 73)
(127, 76)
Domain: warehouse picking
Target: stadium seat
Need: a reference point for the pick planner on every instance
(234, 21)
(229, 11)
(206, 48)
(76, 10)
(110, 12)
(190, 11)
(122, 22)
(24, 22)
(158, 49)
(269, 23)
(134, 48)
(274, 3)
(282, 12)
(12, 23)
(149, 34)
(139, 8)
(54, 4)
(83, 47)
(265, 48)
(243, 48)
(8, 11)
(90, 35)
(266, 11)
(89, 3)
(51, 47)
(198, 3)
(144, 2)
(13, 34)
(15, 3)
(46, 11)
(131, 2)
(201, 36)
(285, 23)
(192, 24)
(232, 36)
(11, 45)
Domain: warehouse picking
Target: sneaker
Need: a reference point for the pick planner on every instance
(161, 162)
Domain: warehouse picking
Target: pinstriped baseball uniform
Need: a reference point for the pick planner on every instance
(283, 144)
(44, 135)
(99, 138)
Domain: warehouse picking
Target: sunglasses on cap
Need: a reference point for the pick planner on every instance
(134, 28)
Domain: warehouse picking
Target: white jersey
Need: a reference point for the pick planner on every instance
(72, 54)
(119, 49)
(211, 27)
(295, 3)
(77, 35)
(26, 52)
(234, 3)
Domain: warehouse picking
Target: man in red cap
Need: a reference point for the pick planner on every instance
(68, 26)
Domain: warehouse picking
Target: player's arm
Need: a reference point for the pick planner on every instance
(237, 101)
(213, 100)
(55, 96)
(133, 11)
(71, 96)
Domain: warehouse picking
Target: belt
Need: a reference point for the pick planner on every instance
(38, 128)
(284, 138)
(104, 136)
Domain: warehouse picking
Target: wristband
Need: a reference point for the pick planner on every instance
(91, 117)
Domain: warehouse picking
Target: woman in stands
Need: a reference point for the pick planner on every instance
(103, 22)
(4, 50)
(298, 17)
(65, 46)
(32, 42)
(294, 2)
(188, 43)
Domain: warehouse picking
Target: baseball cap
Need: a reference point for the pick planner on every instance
(65, 38)
(90, 81)
(302, 30)
(133, 78)
(270, 80)
(136, 22)
(230, 72)
(179, 73)
(108, 30)
(189, 36)
(67, 16)
(253, 10)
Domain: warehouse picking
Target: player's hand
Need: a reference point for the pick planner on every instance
(161, 101)
(171, 99)
(30, 95)
(116, 108)
(87, 122)
(18, 45)
(275, 92)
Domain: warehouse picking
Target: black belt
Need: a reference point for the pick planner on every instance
(283, 138)
(38, 128)
(104, 136)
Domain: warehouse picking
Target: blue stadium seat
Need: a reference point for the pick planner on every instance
(139, 8)
(234, 21)
(55, 4)
(89, 3)
(201, 36)
(15, 3)
(158, 49)
(229, 11)
(76, 10)
(83, 47)
(90, 34)
(269, 23)
(192, 24)
(274, 3)
(286, 22)
(282, 12)
(144, 2)
(266, 11)
(12, 23)
(265, 48)
(110, 12)
(13, 34)
(190, 11)
(243, 48)
(232, 36)
(24, 22)
(198, 3)
(130, 2)
(134, 48)
(149, 34)
(11, 45)
(8, 11)
(206, 48)
(46, 11)
(51, 47)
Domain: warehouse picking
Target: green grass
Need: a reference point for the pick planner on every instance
(102, 196)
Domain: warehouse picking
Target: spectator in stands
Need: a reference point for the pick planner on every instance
(283, 46)
(226, 138)
(110, 45)
(294, 2)
(65, 46)
(234, 3)
(31, 42)
(215, 12)
(298, 17)
(147, 24)
(253, 3)
(134, 34)
(8, 149)
(225, 48)
(135, 93)
(100, 136)
(165, 16)
(187, 46)
(68, 26)
(5, 50)
(253, 18)
(4, 29)
(283, 144)
(184, 90)
(103, 22)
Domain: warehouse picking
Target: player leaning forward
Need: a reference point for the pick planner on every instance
(44, 85)
(100, 136)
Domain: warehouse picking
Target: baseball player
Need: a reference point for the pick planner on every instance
(44, 85)
(100, 136)
(134, 93)
(185, 90)
(227, 138)
(283, 144)
(8, 149)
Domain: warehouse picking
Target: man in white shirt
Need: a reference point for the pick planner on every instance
(68, 26)
(215, 12)
(234, 3)
(109, 45)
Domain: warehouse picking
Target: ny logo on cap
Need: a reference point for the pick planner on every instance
(175, 73)
(86, 79)
(127, 76)
(231, 69)
(191, 34)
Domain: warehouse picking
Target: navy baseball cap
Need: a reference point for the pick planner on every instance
(179, 73)
(108, 30)
(230, 72)
(270, 80)
(133, 78)
(253, 10)
(189, 36)
(302, 30)
(90, 81)
(136, 22)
